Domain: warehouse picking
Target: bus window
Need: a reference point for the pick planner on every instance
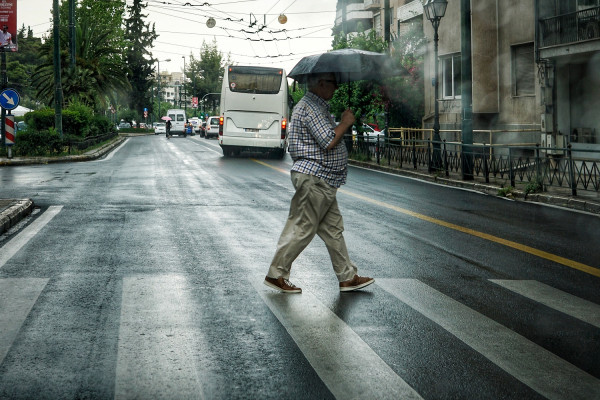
(255, 80)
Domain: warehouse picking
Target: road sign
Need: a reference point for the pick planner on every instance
(9, 99)
(9, 126)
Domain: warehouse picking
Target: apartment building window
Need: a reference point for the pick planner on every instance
(523, 70)
(450, 66)
(377, 24)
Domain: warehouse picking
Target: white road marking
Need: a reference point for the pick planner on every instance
(533, 365)
(113, 152)
(156, 340)
(345, 363)
(561, 301)
(17, 297)
(14, 245)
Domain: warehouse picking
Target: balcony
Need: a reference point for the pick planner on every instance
(372, 5)
(356, 17)
(570, 28)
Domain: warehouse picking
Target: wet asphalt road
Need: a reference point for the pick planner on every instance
(140, 276)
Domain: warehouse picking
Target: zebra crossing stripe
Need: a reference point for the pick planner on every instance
(533, 365)
(557, 299)
(156, 340)
(14, 245)
(345, 363)
(17, 297)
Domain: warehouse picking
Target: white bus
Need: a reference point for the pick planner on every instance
(254, 110)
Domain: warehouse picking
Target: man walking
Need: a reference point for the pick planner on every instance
(320, 168)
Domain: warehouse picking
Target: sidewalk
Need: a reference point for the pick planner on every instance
(13, 210)
(588, 201)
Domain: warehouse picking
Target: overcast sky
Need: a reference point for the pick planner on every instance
(239, 28)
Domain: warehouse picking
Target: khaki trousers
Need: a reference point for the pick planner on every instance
(314, 210)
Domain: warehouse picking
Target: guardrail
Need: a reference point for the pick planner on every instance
(523, 163)
(89, 141)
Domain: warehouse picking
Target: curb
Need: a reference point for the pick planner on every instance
(93, 155)
(16, 211)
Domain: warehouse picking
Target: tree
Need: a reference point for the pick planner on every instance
(365, 98)
(140, 37)
(205, 74)
(402, 97)
(22, 64)
(100, 71)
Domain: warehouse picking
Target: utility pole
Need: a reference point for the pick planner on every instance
(4, 85)
(72, 38)
(58, 94)
(386, 22)
(466, 90)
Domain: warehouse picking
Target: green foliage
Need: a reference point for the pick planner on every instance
(506, 191)
(205, 73)
(100, 71)
(40, 120)
(77, 119)
(402, 97)
(37, 143)
(100, 125)
(535, 186)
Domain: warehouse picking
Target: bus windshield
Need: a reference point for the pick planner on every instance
(255, 80)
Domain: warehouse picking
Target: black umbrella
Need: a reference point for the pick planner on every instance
(348, 65)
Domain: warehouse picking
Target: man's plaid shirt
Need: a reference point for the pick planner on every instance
(311, 131)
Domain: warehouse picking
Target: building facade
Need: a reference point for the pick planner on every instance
(535, 66)
(534, 72)
(365, 15)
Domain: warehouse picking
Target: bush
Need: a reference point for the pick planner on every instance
(100, 125)
(37, 143)
(40, 120)
(77, 119)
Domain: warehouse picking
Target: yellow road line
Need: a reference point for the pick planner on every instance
(521, 247)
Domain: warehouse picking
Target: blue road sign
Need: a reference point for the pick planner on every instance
(9, 99)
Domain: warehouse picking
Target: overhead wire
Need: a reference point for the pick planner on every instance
(236, 28)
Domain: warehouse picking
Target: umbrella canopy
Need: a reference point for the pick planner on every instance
(348, 65)
(165, 118)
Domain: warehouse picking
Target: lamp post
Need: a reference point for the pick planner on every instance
(434, 11)
(159, 96)
(184, 89)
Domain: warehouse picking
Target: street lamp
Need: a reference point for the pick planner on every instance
(159, 96)
(184, 89)
(434, 11)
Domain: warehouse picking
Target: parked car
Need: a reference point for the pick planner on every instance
(212, 127)
(21, 126)
(196, 123)
(124, 125)
(160, 128)
(369, 134)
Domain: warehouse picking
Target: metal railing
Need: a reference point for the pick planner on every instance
(570, 28)
(507, 164)
(89, 141)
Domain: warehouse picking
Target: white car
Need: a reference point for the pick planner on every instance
(370, 134)
(160, 128)
(212, 127)
(196, 123)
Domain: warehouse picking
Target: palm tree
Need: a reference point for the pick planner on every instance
(100, 69)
